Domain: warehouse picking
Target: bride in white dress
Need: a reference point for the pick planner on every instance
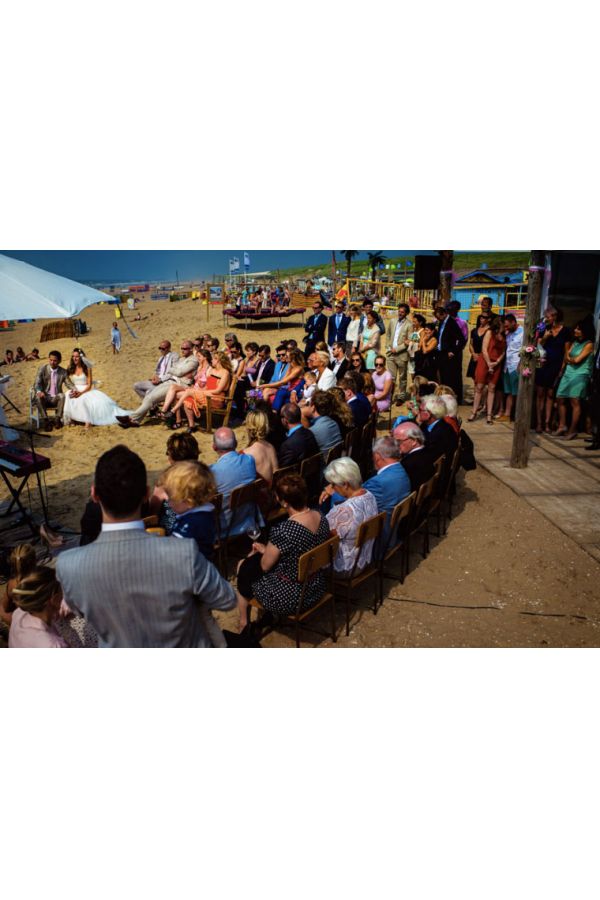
(84, 403)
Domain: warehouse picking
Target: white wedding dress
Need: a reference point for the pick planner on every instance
(94, 406)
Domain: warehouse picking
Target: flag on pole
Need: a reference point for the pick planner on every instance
(246, 260)
(343, 293)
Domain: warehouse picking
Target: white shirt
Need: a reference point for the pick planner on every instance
(352, 332)
(514, 342)
(399, 324)
(122, 526)
(327, 380)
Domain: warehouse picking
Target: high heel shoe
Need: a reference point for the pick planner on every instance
(472, 417)
(559, 432)
(50, 538)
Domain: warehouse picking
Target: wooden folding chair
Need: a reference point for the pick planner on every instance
(350, 440)
(309, 564)
(246, 493)
(399, 537)
(424, 506)
(213, 411)
(334, 453)
(370, 530)
(450, 492)
(310, 470)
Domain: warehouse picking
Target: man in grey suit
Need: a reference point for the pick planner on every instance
(135, 589)
(48, 390)
(180, 372)
(167, 358)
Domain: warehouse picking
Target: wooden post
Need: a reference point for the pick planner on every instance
(521, 444)
(446, 276)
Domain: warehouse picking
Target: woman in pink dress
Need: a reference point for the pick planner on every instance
(383, 381)
(38, 597)
(204, 360)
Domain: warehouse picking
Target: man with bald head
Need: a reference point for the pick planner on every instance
(230, 471)
(416, 459)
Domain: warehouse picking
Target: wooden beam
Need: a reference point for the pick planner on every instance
(521, 443)
(446, 275)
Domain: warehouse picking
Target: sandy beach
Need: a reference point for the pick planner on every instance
(493, 580)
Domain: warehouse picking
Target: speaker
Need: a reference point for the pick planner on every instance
(574, 274)
(427, 272)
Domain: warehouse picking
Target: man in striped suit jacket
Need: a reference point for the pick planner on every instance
(135, 589)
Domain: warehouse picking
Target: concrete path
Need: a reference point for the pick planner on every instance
(562, 479)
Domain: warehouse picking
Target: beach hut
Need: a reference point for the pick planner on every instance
(507, 289)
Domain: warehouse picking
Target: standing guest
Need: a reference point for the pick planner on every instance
(449, 349)
(190, 487)
(418, 323)
(575, 381)
(315, 328)
(137, 590)
(367, 308)
(426, 357)
(384, 383)
(319, 362)
(370, 340)
(38, 597)
(48, 388)
(300, 443)
(417, 460)
(390, 484)
(485, 304)
(594, 440)
(181, 372)
(115, 338)
(453, 308)
(166, 360)
(352, 335)
(552, 337)
(356, 400)
(230, 471)
(339, 363)
(318, 417)
(262, 451)
(270, 573)
(398, 338)
(513, 335)
(489, 368)
(338, 325)
(476, 342)
(21, 562)
(345, 518)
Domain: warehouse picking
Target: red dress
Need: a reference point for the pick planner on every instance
(495, 349)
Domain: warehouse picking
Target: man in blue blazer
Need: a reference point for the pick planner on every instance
(338, 325)
(359, 404)
(390, 484)
(315, 328)
(231, 471)
(300, 442)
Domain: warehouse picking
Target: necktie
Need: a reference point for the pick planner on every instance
(53, 382)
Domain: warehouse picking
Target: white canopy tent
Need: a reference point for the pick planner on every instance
(27, 292)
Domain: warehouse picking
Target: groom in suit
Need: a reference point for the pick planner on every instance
(181, 372)
(135, 589)
(48, 390)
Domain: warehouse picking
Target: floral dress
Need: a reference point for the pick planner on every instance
(279, 590)
(345, 519)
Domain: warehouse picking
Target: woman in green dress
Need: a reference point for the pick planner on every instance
(370, 340)
(575, 380)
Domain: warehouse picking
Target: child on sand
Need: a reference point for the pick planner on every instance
(115, 338)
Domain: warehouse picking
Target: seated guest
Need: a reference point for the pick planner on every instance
(270, 573)
(48, 387)
(218, 382)
(250, 364)
(383, 381)
(341, 412)
(292, 378)
(165, 361)
(440, 438)
(173, 419)
(180, 447)
(369, 390)
(213, 345)
(390, 484)
(356, 400)
(21, 562)
(452, 411)
(266, 367)
(417, 461)
(318, 417)
(190, 487)
(232, 470)
(137, 590)
(319, 362)
(265, 457)
(38, 597)
(230, 339)
(307, 393)
(236, 358)
(346, 518)
(300, 443)
(339, 363)
(181, 371)
(357, 363)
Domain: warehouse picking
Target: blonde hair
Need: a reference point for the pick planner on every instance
(310, 374)
(323, 355)
(257, 426)
(322, 347)
(189, 482)
(22, 561)
(225, 362)
(34, 591)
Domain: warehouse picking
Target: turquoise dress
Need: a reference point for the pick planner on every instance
(368, 334)
(576, 378)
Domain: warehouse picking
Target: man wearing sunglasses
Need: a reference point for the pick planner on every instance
(180, 372)
(315, 328)
(165, 361)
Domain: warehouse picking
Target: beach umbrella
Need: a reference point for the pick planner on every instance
(27, 292)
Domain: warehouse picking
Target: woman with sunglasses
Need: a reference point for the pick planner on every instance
(383, 381)
(357, 363)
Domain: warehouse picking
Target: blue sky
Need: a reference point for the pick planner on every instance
(161, 265)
